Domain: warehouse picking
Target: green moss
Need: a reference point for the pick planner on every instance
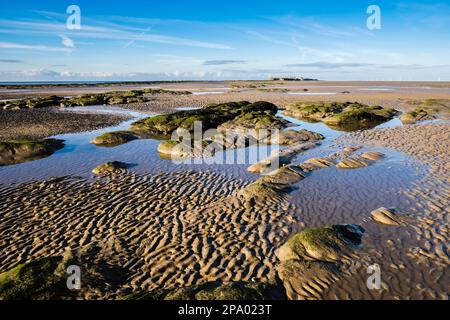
(346, 116)
(112, 139)
(35, 280)
(210, 117)
(110, 168)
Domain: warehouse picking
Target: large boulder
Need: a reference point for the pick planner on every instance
(14, 152)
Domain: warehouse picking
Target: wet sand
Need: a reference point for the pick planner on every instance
(43, 123)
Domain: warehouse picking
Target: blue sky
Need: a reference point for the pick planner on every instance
(179, 40)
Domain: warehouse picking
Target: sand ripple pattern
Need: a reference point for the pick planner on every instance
(167, 230)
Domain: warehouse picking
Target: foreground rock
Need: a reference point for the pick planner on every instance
(233, 291)
(114, 167)
(348, 115)
(311, 259)
(389, 217)
(328, 244)
(113, 139)
(47, 278)
(373, 156)
(42, 279)
(14, 152)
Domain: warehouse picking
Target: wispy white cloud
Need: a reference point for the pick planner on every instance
(10, 45)
(103, 31)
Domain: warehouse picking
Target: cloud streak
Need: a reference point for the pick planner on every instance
(222, 62)
(10, 45)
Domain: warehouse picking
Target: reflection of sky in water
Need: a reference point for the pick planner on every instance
(79, 156)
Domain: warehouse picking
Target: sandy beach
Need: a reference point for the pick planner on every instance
(154, 228)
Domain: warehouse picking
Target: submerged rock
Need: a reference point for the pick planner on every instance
(14, 152)
(327, 244)
(113, 167)
(232, 291)
(387, 216)
(352, 163)
(113, 139)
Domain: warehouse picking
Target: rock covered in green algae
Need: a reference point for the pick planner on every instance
(311, 259)
(14, 152)
(113, 139)
(275, 183)
(41, 279)
(212, 116)
(113, 167)
(352, 115)
(322, 244)
(232, 291)
(47, 278)
(416, 115)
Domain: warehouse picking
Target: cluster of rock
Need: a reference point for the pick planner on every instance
(14, 152)
(236, 125)
(346, 115)
(109, 98)
(282, 175)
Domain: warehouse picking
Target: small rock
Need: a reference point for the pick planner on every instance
(387, 217)
(374, 156)
(352, 163)
(110, 168)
